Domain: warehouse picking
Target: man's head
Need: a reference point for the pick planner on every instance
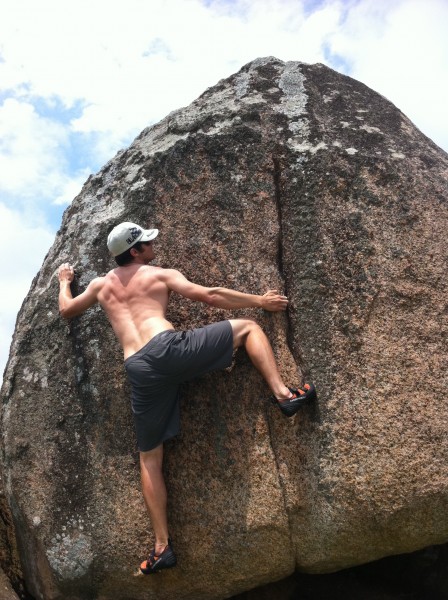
(125, 237)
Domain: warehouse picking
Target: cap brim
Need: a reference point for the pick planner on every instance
(148, 235)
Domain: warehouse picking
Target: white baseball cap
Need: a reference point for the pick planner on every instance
(125, 235)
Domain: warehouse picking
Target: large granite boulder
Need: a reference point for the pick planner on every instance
(287, 176)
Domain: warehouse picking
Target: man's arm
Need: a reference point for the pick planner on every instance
(69, 306)
(223, 297)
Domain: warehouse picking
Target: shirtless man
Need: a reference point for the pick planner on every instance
(158, 358)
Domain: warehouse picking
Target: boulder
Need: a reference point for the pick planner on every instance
(287, 176)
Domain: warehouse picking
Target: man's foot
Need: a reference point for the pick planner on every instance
(165, 560)
(298, 399)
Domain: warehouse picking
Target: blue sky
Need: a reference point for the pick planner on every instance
(79, 80)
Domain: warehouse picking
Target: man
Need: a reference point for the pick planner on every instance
(157, 358)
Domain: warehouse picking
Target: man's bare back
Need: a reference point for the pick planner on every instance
(135, 299)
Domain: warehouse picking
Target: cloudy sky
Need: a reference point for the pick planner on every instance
(79, 80)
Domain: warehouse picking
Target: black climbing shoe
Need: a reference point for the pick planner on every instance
(299, 398)
(165, 560)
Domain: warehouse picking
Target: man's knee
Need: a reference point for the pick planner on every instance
(152, 458)
(241, 329)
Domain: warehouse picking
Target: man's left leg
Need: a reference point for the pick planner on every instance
(248, 333)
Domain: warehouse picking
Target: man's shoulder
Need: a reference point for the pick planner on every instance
(163, 272)
(98, 282)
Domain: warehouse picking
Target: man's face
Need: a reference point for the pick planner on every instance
(148, 250)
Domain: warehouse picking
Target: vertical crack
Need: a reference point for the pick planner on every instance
(280, 260)
(277, 193)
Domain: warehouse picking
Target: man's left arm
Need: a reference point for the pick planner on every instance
(223, 297)
(232, 299)
(71, 307)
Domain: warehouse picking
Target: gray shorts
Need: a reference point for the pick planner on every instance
(156, 371)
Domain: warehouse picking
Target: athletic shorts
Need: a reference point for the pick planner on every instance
(155, 372)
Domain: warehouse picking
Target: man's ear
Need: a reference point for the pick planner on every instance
(134, 252)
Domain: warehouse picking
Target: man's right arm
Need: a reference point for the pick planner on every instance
(223, 297)
(71, 307)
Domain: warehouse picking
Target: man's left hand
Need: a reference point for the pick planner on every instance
(273, 301)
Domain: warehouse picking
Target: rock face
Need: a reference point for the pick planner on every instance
(287, 176)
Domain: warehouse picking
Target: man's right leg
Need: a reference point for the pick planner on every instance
(154, 493)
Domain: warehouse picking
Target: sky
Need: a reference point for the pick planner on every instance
(80, 80)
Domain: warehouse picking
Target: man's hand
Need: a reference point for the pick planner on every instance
(72, 307)
(273, 302)
(66, 273)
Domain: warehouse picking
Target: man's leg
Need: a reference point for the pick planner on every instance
(248, 333)
(154, 493)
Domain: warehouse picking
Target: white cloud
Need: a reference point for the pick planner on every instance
(26, 141)
(33, 165)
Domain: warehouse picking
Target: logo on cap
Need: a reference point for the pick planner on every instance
(135, 232)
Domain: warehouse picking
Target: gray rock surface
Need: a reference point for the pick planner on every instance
(6, 590)
(287, 176)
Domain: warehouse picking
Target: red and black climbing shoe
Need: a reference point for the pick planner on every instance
(299, 399)
(155, 563)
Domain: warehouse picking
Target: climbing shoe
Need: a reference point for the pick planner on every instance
(299, 398)
(165, 560)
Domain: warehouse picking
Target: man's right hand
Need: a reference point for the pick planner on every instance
(66, 273)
